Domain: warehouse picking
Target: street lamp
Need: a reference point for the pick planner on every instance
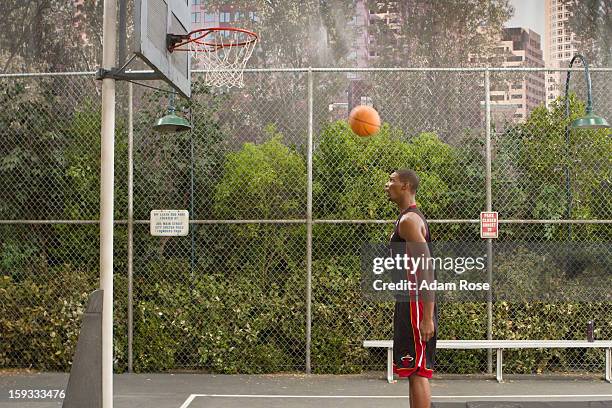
(171, 122)
(589, 121)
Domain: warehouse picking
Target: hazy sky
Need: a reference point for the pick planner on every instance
(528, 14)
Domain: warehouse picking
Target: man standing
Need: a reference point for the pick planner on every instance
(415, 315)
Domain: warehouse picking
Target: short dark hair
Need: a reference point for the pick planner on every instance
(410, 177)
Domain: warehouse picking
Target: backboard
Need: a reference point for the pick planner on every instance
(153, 19)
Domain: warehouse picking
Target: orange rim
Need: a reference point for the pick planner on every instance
(198, 36)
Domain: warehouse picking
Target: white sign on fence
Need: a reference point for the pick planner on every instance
(169, 223)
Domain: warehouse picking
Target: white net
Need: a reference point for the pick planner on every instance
(224, 54)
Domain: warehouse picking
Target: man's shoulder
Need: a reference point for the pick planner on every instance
(410, 226)
(411, 218)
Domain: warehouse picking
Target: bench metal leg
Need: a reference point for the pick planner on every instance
(500, 359)
(609, 365)
(390, 365)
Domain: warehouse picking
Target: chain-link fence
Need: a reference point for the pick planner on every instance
(268, 279)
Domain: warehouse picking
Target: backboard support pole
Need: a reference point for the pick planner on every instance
(107, 176)
(120, 75)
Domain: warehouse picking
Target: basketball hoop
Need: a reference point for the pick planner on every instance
(222, 51)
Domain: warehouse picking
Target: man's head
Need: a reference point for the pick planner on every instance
(402, 183)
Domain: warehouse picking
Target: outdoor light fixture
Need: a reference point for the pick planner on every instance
(171, 122)
(589, 121)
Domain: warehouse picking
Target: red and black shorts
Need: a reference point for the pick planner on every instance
(410, 355)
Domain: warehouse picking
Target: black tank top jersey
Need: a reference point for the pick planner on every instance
(394, 249)
(395, 236)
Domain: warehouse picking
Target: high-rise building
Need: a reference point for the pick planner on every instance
(560, 45)
(368, 21)
(521, 48)
(227, 15)
(512, 100)
(359, 42)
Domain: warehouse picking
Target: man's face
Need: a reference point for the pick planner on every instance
(394, 188)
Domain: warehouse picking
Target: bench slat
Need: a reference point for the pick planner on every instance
(506, 344)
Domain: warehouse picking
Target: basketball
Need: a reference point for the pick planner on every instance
(364, 120)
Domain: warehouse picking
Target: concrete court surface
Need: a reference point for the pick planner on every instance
(320, 391)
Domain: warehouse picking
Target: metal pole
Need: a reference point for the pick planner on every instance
(107, 176)
(122, 30)
(309, 226)
(489, 208)
(130, 225)
(568, 190)
(191, 200)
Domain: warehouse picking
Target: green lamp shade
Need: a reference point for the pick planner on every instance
(172, 123)
(590, 121)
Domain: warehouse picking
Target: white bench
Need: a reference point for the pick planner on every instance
(500, 345)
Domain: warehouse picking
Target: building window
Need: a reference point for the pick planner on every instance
(209, 17)
(196, 2)
(517, 96)
(224, 17)
(518, 115)
(497, 97)
(567, 38)
(195, 17)
(253, 16)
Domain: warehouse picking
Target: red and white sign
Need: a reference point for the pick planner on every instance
(488, 224)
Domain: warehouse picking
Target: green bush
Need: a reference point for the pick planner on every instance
(43, 336)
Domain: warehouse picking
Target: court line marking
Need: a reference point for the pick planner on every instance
(188, 401)
(545, 396)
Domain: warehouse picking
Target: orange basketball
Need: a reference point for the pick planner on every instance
(364, 120)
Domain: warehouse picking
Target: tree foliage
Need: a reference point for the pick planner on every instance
(295, 33)
(531, 162)
(50, 35)
(428, 32)
(591, 22)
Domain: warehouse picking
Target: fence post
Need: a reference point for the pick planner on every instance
(192, 216)
(489, 208)
(130, 225)
(309, 225)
